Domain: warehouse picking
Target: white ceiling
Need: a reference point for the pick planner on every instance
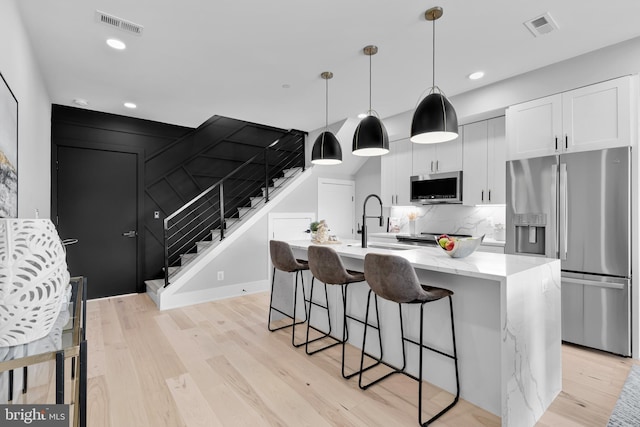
(198, 58)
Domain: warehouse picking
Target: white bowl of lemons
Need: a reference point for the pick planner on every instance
(458, 247)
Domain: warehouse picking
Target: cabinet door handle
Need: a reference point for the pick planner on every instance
(482, 196)
(489, 195)
(556, 143)
(566, 141)
(431, 165)
(437, 165)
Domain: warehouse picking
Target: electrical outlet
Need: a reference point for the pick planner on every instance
(220, 275)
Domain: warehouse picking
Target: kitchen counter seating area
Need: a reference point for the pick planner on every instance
(507, 325)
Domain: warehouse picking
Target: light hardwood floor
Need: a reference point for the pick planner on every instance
(216, 364)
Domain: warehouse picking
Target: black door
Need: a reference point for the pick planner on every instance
(97, 204)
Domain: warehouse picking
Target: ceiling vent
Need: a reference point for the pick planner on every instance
(543, 24)
(120, 23)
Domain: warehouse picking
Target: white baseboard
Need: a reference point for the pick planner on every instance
(212, 294)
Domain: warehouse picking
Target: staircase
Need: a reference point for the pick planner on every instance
(204, 222)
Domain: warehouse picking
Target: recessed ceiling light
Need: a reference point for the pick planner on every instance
(477, 75)
(286, 86)
(81, 102)
(116, 44)
(130, 105)
(362, 115)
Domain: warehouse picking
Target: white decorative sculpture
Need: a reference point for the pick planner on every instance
(33, 279)
(322, 235)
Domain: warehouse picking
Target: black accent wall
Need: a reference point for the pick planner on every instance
(179, 162)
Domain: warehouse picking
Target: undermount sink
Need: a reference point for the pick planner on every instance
(389, 247)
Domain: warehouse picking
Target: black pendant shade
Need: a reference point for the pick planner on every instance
(434, 120)
(326, 150)
(370, 138)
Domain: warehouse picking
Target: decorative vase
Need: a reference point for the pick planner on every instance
(412, 227)
(33, 279)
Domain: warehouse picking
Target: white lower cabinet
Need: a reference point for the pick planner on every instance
(484, 178)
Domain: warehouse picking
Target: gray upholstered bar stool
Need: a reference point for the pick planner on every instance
(327, 267)
(282, 259)
(393, 278)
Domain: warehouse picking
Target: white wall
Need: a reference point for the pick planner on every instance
(20, 69)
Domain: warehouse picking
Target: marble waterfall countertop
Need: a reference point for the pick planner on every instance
(507, 320)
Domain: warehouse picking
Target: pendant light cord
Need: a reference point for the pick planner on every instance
(326, 104)
(434, 55)
(370, 84)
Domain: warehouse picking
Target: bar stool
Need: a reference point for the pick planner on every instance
(327, 267)
(393, 278)
(282, 259)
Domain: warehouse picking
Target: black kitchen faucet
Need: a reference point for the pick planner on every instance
(364, 218)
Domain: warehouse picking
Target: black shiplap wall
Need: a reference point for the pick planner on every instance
(88, 128)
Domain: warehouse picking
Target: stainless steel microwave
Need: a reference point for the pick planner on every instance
(443, 187)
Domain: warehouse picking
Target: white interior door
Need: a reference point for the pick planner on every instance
(336, 205)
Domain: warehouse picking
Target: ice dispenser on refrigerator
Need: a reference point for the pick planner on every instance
(530, 233)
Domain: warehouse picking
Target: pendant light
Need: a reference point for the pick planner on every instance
(435, 119)
(370, 138)
(326, 149)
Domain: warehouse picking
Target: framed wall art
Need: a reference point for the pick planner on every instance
(8, 151)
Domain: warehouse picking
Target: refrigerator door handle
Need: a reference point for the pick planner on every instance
(564, 217)
(599, 284)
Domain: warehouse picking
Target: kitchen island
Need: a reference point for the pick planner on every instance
(507, 320)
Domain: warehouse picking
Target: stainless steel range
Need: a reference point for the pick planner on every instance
(424, 239)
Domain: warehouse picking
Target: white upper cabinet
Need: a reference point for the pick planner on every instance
(396, 171)
(534, 128)
(597, 116)
(484, 178)
(435, 158)
(588, 118)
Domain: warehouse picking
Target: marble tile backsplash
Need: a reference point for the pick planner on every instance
(458, 219)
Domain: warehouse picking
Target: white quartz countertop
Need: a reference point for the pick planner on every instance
(485, 265)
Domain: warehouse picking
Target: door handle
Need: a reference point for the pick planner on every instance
(130, 234)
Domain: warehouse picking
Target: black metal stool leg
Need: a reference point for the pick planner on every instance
(378, 360)
(295, 301)
(455, 359)
(272, 309)
(309, 327)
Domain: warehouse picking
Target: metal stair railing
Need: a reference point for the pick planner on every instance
(207, 216)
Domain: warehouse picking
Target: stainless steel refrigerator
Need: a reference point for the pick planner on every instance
(576, 207)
